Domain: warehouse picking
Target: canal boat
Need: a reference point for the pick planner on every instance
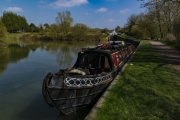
(72, 89)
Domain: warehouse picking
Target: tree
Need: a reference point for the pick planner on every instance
(137, 32)
(105, 30)
(53, 31)
(46, 25)
(131, 21)
(147, 25)
(23, 25)
(41, 28)
(3, 31)
(14, 22)
(64, 22)
(155, 7)
(118, 28)
(79, 31)
(142, 26)
(166, 13)
(32, 27)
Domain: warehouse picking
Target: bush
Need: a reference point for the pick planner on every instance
(3, 31)
(170, 37)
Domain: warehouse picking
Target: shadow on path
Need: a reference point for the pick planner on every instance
(171, 55)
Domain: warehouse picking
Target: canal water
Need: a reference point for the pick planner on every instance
(23, 66)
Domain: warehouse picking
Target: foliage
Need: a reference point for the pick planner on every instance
(165, 13)
(14, 22)
(64, 22)
(137, 32)
(61, 30)
(14, 35)
(93, 34)
(142, 26)
(46, 25)
(3, 31)
(79, 31)
(170, 37)
(118, 28)
(161, 20)
(145, 91)
(41, 29)
(131, 21)
(105, 30)
(52, 31)
(33, 28)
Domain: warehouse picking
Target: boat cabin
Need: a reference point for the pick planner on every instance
(93, 62)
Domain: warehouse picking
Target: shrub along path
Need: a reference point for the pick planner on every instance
(170, 54)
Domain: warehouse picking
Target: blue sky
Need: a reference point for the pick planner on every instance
(93, 13)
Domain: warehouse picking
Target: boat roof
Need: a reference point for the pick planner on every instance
(107, 48)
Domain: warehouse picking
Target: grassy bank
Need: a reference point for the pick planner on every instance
(149, 89)
(14, 35)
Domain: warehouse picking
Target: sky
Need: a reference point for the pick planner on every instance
(94, 13)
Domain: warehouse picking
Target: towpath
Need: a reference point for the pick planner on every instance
(170, 54)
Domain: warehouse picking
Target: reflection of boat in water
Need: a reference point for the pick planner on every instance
(72, 89)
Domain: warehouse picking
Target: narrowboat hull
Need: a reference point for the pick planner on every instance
(70, 99)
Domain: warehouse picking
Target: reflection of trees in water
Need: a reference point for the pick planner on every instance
(64, 57)
(69, 51)
(66, 52)
(12, 53)
(18, 52)
(4, 51)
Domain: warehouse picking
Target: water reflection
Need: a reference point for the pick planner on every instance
(23, 67)
(64, 56)
(12, 53)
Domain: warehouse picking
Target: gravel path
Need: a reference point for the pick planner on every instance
(170, 54)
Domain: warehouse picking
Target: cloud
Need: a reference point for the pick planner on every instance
(101, 9)
(110, 20)
(124, 11)
(13, 9)
(42, 1)
(67, 3)
(111, 0)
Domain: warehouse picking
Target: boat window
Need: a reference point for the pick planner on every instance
(94, 60)
(89, 60)
(107, 65)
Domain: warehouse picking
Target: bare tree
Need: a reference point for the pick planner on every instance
(64, 22)
(132, 19)
(166, 13)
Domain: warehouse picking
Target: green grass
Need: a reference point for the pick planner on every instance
(149, 90)
(104, 36)
(14, 35)
(126, 36)
(123, 36)
(172, 44)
